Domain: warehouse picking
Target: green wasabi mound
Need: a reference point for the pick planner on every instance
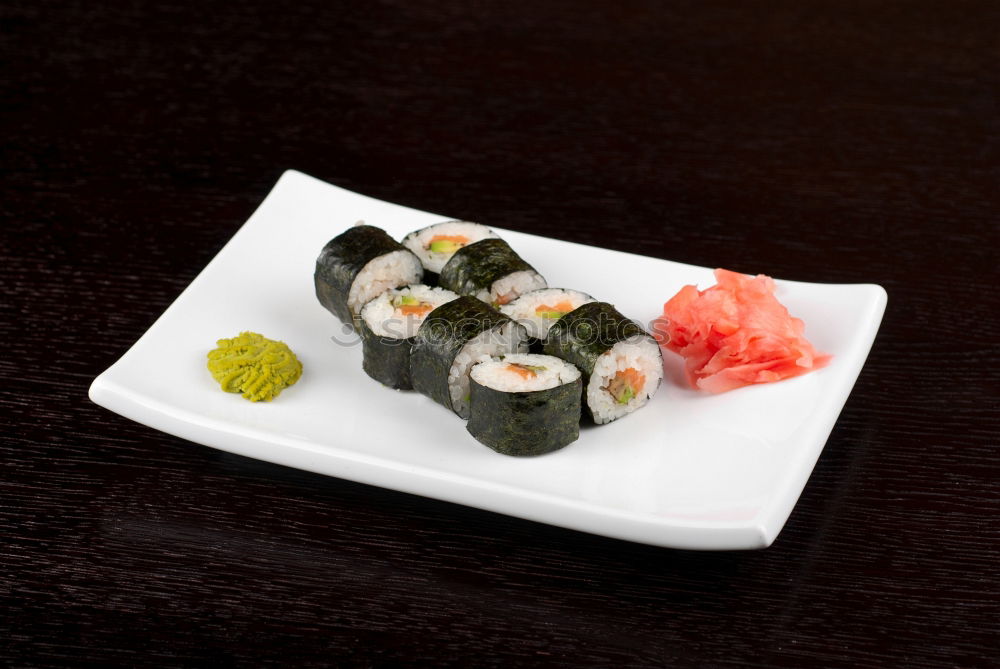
(251, 364)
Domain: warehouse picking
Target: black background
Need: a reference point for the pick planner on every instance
(828, 141)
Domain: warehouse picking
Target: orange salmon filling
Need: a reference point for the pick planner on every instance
(626, 384)
(458, 239)
(523, 371)
(447, 243)
(504, 299)
(557, 311)
(414, 309)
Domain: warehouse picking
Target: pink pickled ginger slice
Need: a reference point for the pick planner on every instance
(735, 334)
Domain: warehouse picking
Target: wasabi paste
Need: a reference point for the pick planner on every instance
(254, 365)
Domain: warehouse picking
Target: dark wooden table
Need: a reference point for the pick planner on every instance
(819, 141)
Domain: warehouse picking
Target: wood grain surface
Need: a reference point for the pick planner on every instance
(821, 141)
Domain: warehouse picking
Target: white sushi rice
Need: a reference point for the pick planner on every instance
(549, 372)
(420, 240)
(523, 308)
(639, 352)
(508, 288)
(508, 338)
(397, 268)
(387, 320)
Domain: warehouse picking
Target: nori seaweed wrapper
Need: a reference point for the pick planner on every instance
(431, 278)
(440, 339)
(342, 259)
(526, 423)
(586, 333)
(386, 359)
(475, 267)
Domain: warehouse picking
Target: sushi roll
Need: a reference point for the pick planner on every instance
(490, 270)
(359, 265)
(525, 404)
(436, 244)
(388, 325)
(620, 361)
(538, 310)
(451, 339)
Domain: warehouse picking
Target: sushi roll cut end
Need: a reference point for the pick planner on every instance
(359, 265)
(525, 404)
(398, 312)
(436, 244)
(621, 362)
(388, 324)
(624, 378)
(491, 271)
(453, 338)
(538, 310)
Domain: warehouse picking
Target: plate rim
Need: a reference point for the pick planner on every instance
(579, 515)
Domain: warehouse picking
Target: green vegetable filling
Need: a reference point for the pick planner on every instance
(626, 394)
(405, 300)
(525, 371)
(623, 387)
(444, 246)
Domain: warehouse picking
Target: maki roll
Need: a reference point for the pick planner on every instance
(436, 244)
(388, 325)
(450, 340)
(525, 404)
(620, 361)
(490, 270)
(359, 265)
(538, 310)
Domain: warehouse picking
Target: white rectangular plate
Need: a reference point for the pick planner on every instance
(690, 470)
